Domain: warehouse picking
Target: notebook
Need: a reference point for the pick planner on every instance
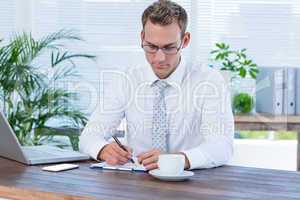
(126, 167)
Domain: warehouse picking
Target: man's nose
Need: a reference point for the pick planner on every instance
(160, 55)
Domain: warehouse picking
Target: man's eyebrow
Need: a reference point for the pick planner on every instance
(170, 44)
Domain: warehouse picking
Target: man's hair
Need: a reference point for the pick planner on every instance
(164, 12)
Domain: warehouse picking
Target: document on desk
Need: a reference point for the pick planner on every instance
(126, 167)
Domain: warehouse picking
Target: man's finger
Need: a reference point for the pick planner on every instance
(152, 159)
(112, 161)
(151, 166)
(147, 154)
(115, 161)
(116, 155)
(119, 150)
(128, 149)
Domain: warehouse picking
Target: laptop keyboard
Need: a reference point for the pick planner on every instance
(37, 153)
(32, 153)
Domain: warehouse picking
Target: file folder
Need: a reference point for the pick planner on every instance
(269, 90)
(297, 91)
(289, 95)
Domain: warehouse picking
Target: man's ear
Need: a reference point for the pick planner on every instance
(186, 39)
(142, 36)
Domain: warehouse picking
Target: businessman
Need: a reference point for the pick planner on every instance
(171, 105)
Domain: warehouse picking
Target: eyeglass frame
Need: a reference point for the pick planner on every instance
(162, 48)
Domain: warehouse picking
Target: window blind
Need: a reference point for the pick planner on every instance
(269, 29)
(7, 18)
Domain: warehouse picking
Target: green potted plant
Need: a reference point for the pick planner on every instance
(242, 103)
(235, 67)
(29, 96)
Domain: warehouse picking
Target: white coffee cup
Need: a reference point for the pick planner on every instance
(171, 164)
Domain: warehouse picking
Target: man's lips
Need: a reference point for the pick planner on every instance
(160, 66)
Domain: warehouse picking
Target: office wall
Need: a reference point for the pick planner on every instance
(269, 29)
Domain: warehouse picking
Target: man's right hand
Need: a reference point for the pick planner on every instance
(115, 155)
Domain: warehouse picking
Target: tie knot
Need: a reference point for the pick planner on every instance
(162, 85)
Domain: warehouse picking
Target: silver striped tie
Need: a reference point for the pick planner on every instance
(159, 124)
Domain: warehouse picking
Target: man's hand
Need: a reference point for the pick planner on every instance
(187, 164)
(114, 155)
(149, 159)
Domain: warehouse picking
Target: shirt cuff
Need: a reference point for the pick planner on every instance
(94, 149)
(196, 158)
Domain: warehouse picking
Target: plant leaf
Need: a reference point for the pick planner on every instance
(242, 72)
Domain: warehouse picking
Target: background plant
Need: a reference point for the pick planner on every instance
(243, 103)
(235, 61)
(30, 97)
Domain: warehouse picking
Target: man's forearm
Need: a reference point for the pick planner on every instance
(210, 154)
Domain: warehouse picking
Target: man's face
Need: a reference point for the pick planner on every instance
(168, 36)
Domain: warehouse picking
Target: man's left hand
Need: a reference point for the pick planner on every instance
(149, 159)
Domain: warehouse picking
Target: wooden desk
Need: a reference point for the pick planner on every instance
(21, 194)
(269, 122)
(221, 183)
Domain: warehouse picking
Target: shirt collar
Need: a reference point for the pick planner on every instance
(175, 79)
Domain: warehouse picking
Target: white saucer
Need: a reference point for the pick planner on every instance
(184, 176)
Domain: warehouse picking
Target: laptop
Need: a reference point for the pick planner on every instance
(32, 155)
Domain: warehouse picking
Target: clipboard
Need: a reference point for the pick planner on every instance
(126, 167)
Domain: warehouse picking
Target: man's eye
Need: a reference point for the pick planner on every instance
(169, 48)
(152, 47)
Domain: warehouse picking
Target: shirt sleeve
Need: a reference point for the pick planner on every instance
(217, 127)
(107, 116)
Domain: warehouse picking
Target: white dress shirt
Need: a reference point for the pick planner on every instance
(198, 106)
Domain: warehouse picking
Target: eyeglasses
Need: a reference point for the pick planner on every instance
(150, 48)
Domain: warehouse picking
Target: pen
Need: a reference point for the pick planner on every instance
(120, 145)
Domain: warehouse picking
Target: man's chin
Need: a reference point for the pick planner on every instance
(161, 73)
